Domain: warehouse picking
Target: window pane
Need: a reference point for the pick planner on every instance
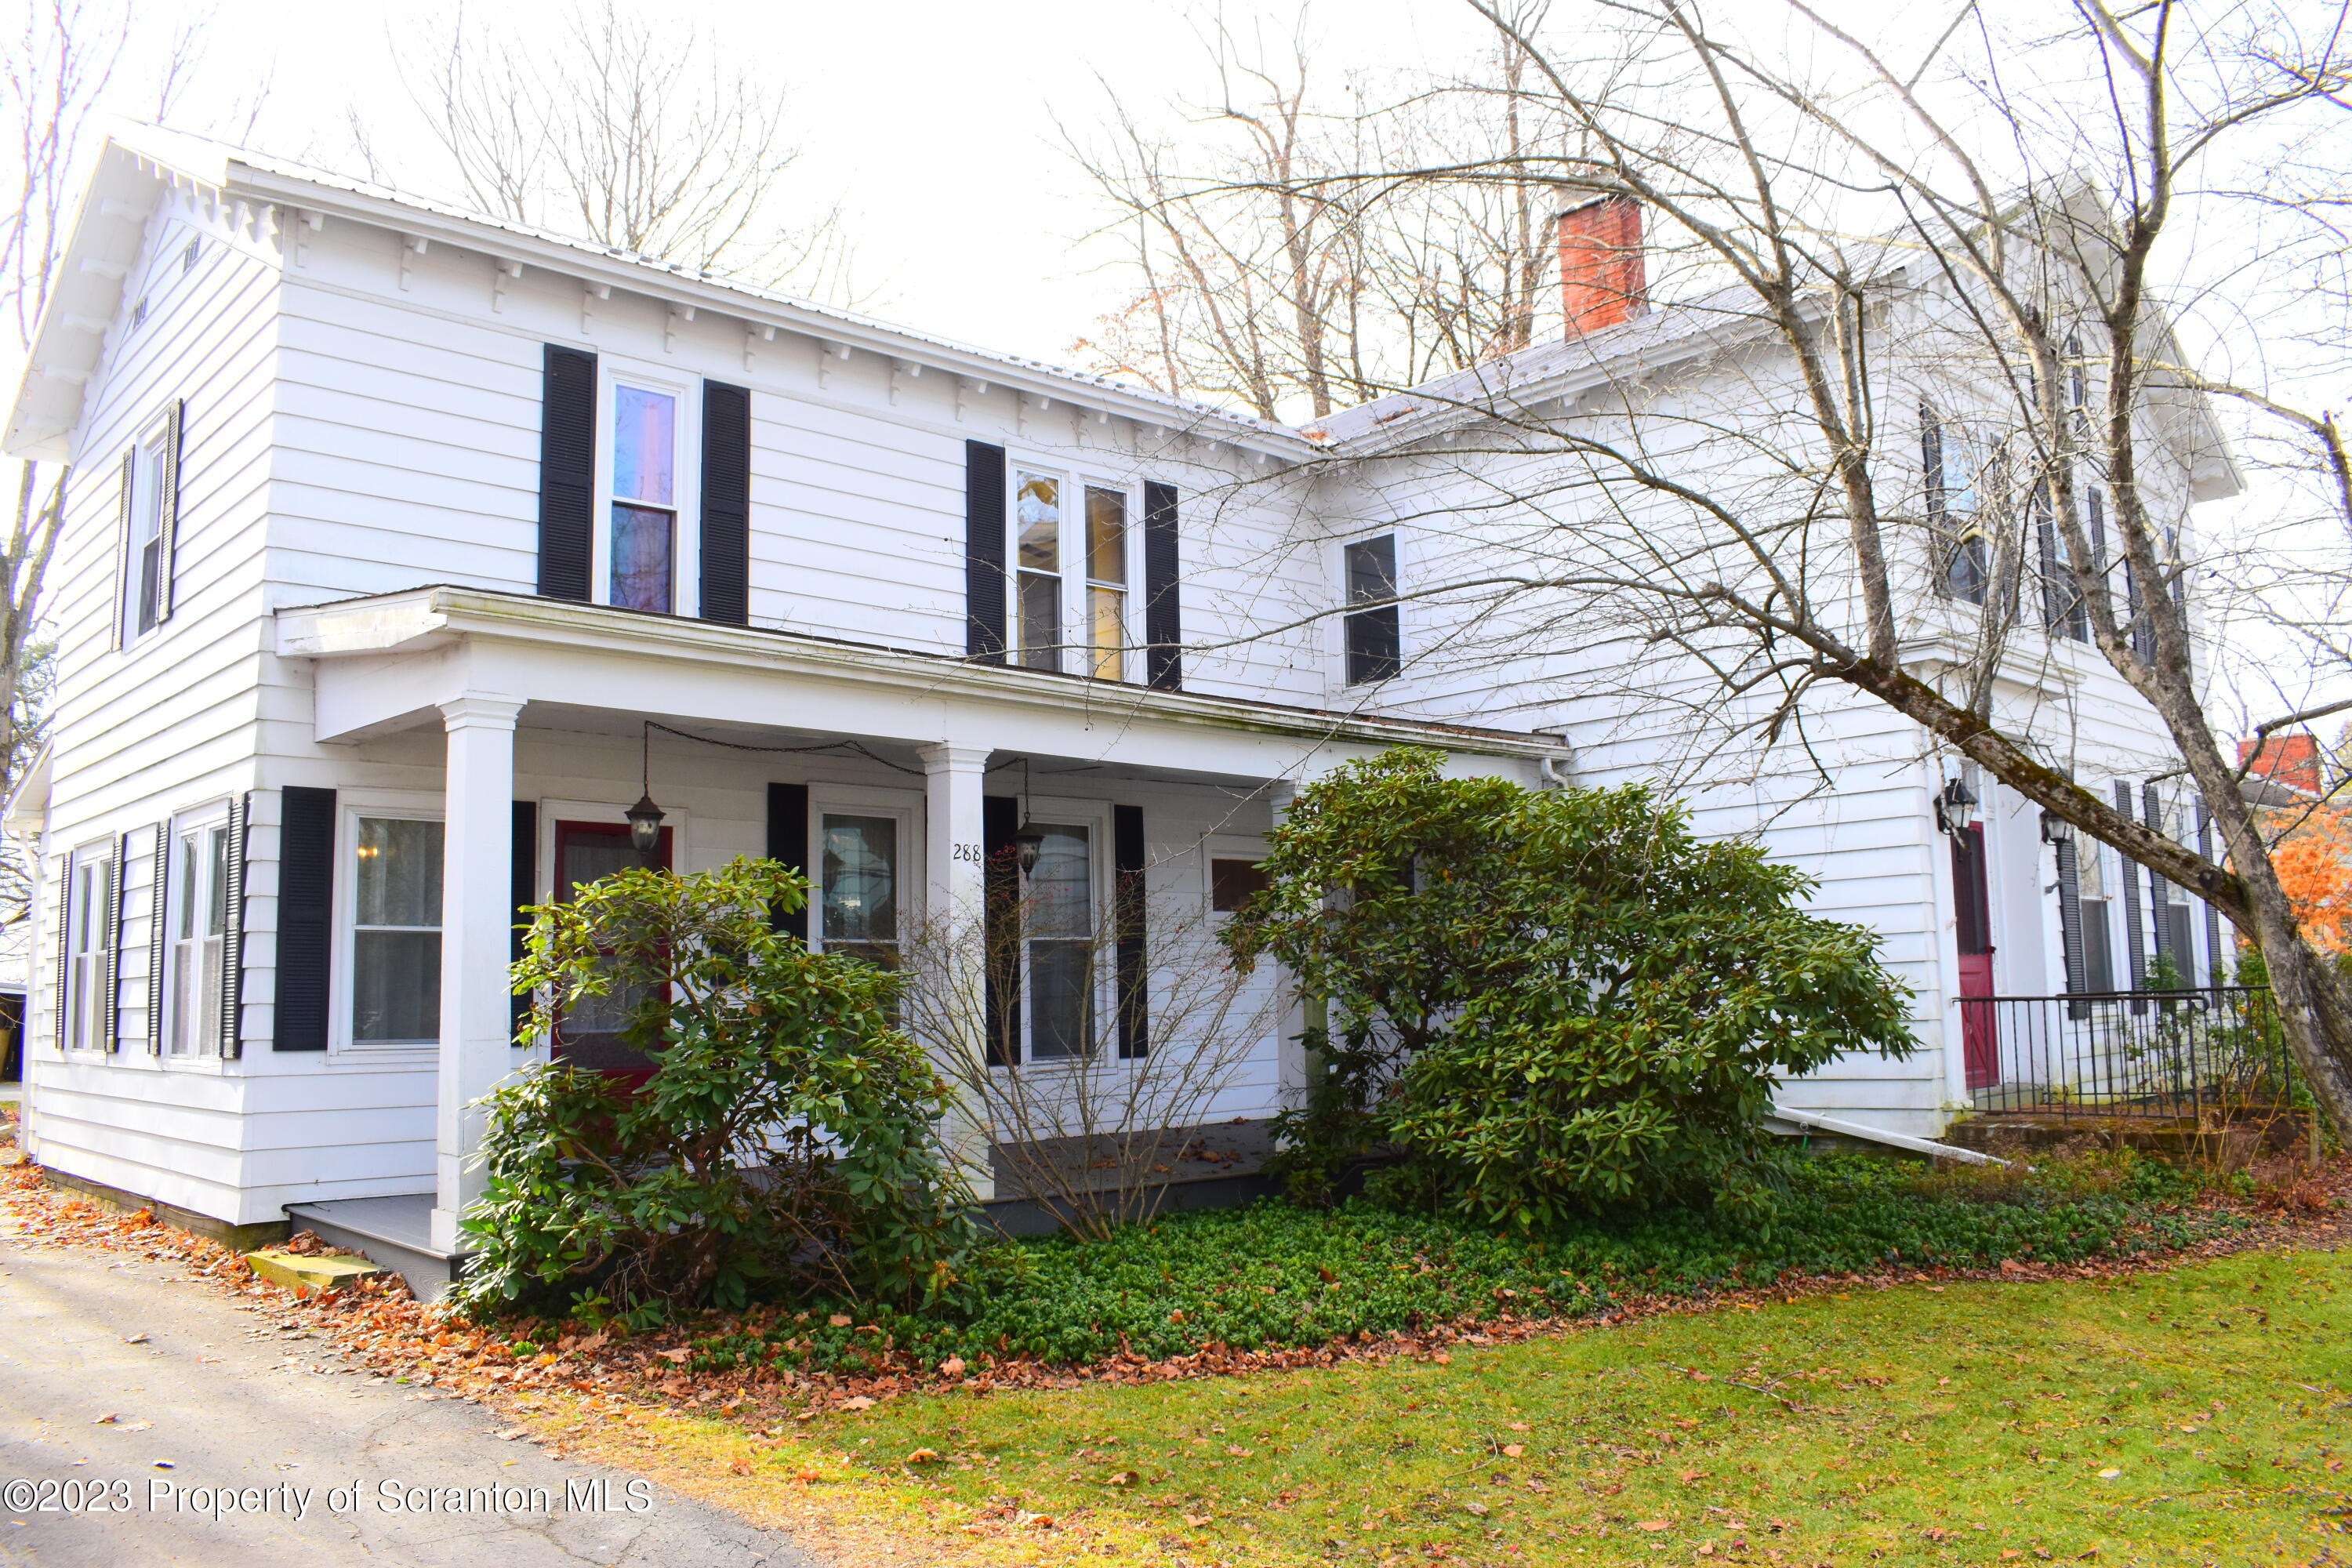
(395, 985)
(1041, 621)
(641, 558)
(1231, 883)
(1371, 570)
(1061, 887)
(644, 436)
(399, 882)
(1106, 535)
(1374, 646)
(1108, 618)
(216, 883)
(1039, 506)
(185, 877)
(861, 880)
(1968, 569)
(1061, 998)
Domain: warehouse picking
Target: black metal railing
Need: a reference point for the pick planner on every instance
(2211, 1054)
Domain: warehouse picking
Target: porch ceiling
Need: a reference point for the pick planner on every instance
(385, 663)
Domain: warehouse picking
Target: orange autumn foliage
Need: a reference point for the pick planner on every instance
(2315, 866)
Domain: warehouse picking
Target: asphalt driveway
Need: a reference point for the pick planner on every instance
(234, 1441)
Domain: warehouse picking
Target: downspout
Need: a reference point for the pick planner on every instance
(1845, 1128)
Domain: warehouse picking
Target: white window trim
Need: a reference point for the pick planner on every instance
(905, 807)
(146, 485)
(349, 807)
(100, 850)
(1095, 818)
(1076, 623)
(195, 819)
(685, 564)
(1337, 636)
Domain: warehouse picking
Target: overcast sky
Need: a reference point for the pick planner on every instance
(934, 121)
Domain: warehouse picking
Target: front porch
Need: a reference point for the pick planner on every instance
(510, 734)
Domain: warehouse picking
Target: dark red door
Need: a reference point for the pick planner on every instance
(1972, 903)
(591, 1033)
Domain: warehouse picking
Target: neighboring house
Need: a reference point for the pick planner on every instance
(391, 528)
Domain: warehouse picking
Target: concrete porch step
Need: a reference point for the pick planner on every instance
(395, 1232)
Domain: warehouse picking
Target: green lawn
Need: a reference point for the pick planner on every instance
(2196, 1416)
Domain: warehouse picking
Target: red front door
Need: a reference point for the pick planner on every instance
(1972, 903)
(590, 1035)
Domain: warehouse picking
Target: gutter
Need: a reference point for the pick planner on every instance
(1845, 1128)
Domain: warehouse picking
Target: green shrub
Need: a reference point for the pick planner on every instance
(785, 1142)
(1551, 1001)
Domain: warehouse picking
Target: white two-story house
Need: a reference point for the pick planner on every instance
(407, 550)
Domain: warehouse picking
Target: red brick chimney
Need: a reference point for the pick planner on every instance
(1600, 273)
(2293, 760)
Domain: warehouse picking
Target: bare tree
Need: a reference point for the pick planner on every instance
(1928, 396)
(1270, 279)
(65, 60)
(1093, 1133)
(633, 135)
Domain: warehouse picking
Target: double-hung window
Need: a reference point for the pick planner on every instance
(89, 944)
(1037, 570)
(196, 930)
(1375, 647)
(643, 547)
(1060, 943)
(857, 903)
(1963, 553)
(1107, 582)
(396, 931)
(149, 517)
(1070, 567)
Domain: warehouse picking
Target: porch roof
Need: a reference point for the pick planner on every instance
(386, 660)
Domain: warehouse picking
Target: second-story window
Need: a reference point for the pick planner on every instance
(1375, 648)
(1107, 581)
(644, 542)
(1037, 570)
(151, 504)
(1963, 556)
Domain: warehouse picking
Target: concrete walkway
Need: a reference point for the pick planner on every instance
(210, 1402)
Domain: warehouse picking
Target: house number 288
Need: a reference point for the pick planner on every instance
(970, 852)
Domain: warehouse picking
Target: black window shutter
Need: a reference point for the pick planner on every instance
(726, 503)
(1000, 898)
(2135, 936)
(522, 855)
(232, 1023)
(1130, 912)
(159, 905)
(2159, 907)
(788, 830)
(1163, 614)
(567, 472)
(126, 585)
(306, 900)
(2070, 922)
(984, 551)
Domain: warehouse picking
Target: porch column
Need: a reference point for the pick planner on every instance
(955, 908)
(477, 914)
